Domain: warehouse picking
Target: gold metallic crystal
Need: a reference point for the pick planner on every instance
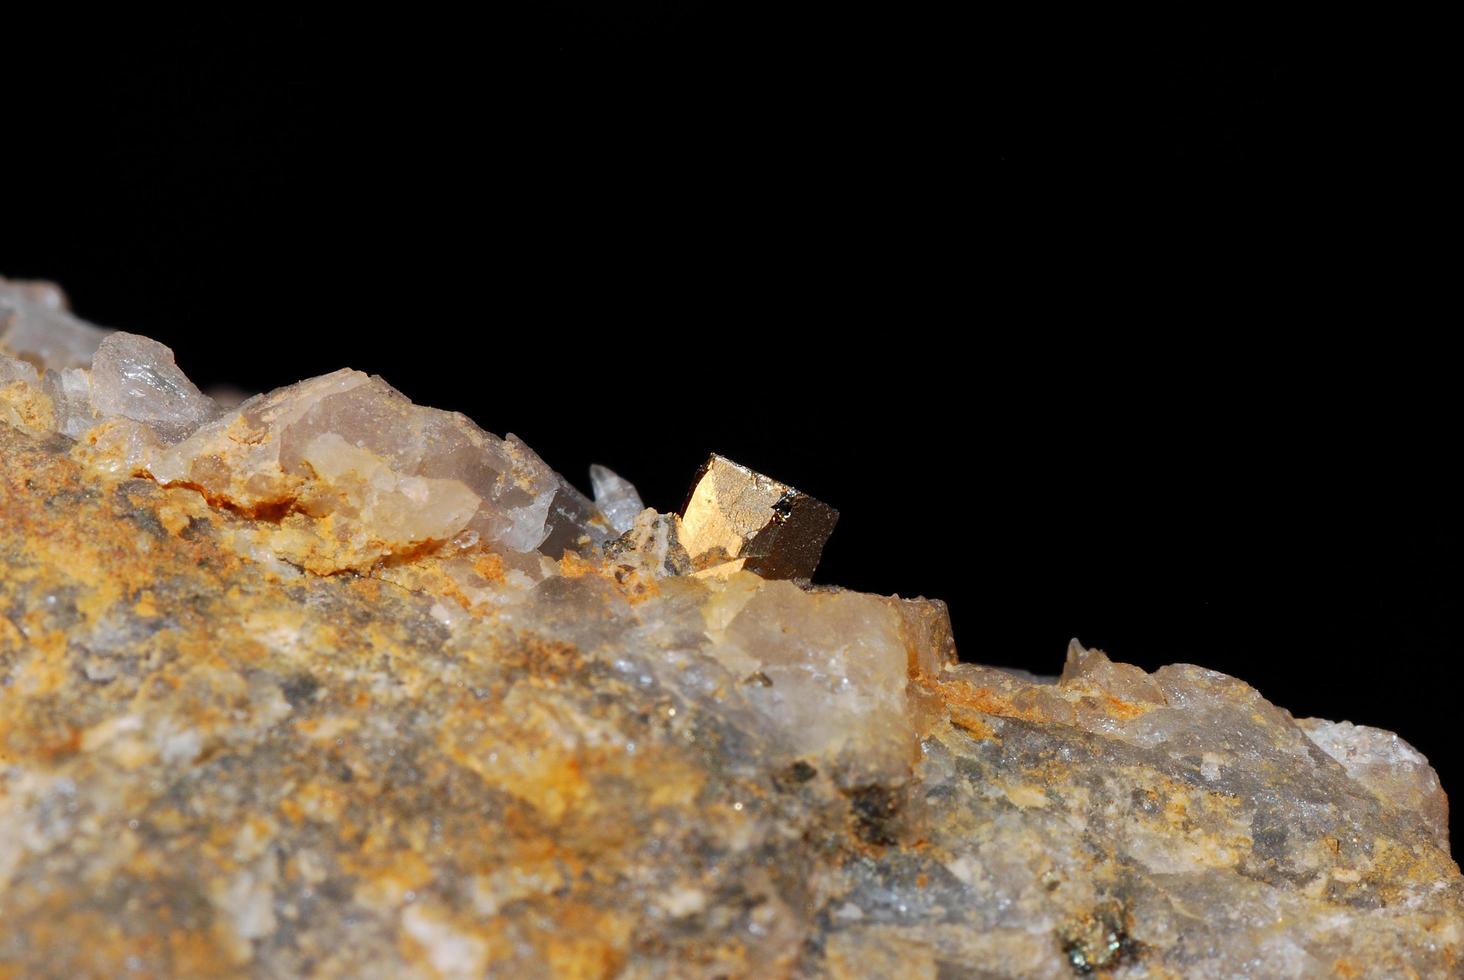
(736, 518)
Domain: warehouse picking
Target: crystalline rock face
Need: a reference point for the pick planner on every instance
(328, 683)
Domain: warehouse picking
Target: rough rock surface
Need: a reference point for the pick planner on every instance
(352, 688)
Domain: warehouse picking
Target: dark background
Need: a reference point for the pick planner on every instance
(1124, 331)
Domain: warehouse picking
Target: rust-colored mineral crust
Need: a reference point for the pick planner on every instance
(285, 692)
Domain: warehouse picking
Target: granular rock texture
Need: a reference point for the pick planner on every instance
(330, 684)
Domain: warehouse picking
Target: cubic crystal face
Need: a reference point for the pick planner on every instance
(332, 684)
(738, 519)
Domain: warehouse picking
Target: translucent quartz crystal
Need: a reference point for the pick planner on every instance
(70, 392)
(136, 378)
(14, 369)
(572, 522)
(22, 404)
(826, 669)
(1091, 667)
(131, 378)
(236, 457)
(1386, 765)
(350, 447)
(44, 295)
(35, 326)
(616, 497)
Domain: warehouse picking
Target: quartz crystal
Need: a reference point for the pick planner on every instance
(616, 497)
(135, 378)
(36, 326)
(331, 684)
(14, 369)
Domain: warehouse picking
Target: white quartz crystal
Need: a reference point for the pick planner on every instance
(826, 669)
(35, 326)
(136, 378)
(14, 369)
(616, 497)
(70, 392)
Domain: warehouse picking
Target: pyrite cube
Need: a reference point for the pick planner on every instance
(737, 518)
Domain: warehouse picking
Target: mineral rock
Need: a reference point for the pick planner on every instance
(299, 694)
(351, 471)
(136, 378)
(35, 326)
(21, 403)
(616, 497)
(12, 369)
(736, 518)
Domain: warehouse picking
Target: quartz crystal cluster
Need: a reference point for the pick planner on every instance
(330, 684)
(351, 470)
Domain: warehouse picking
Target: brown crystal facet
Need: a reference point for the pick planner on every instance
(736, 518)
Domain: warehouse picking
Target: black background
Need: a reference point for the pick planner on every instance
(1123, 331)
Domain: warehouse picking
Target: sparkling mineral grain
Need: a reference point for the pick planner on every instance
(330, 684)
(616, 497)
(738, 519)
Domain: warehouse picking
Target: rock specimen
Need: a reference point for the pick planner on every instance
(331, 684)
